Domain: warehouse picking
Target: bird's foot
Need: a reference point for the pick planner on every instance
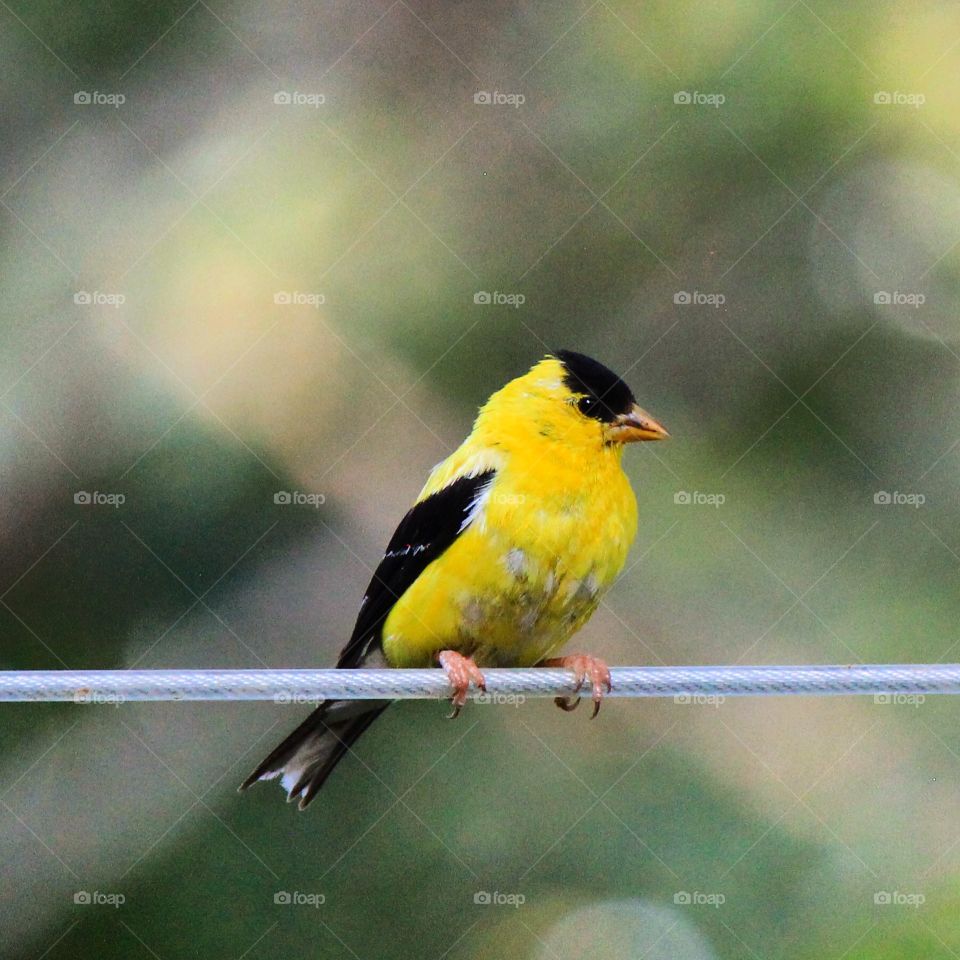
(584, 668)
(461, 671)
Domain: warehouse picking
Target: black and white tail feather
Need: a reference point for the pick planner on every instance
(308, 756)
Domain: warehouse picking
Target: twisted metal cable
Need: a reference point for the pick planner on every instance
(308, 686)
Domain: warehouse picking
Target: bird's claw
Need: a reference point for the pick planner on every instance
(584, 668)
(461, 671)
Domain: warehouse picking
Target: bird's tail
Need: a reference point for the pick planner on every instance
(307, 757)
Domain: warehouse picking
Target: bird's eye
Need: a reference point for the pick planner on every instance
(586, 405)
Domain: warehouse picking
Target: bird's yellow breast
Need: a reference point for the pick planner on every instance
(549, 536)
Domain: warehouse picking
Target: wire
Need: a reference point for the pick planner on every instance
(503, 686)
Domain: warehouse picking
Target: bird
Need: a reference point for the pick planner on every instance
(505, 554)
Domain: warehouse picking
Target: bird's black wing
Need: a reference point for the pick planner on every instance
(426, 531)
(307, 757)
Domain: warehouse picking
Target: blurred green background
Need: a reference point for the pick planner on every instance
(259, 271)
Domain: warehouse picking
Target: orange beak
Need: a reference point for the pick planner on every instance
(634, 425)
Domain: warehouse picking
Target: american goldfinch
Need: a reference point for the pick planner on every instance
(504, 556)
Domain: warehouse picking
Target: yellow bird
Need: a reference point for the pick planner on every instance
(504, 556)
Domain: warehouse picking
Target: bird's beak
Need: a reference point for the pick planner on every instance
(634, 425)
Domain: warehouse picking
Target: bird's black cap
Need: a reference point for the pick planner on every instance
(589, 377)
